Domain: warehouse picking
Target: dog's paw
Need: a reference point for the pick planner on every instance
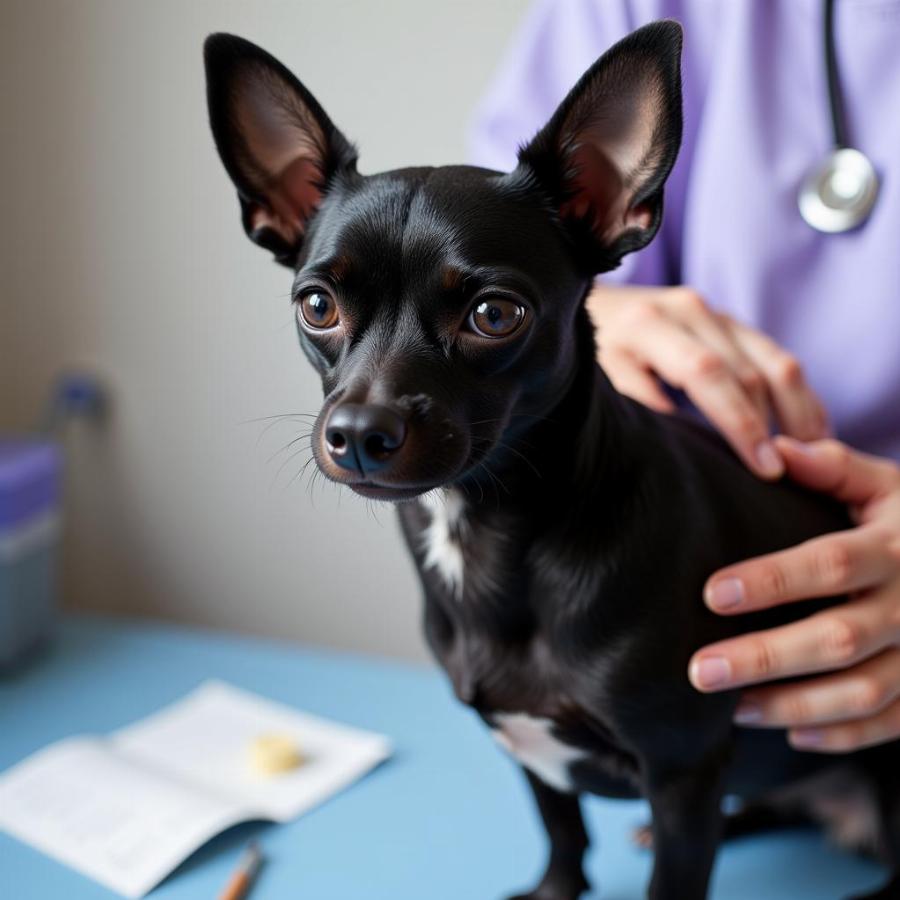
(570, 889)
(540, 894)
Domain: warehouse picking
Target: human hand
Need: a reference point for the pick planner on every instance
(857, 703)
(736, 376)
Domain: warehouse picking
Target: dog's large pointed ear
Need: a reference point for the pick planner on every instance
(607, 150)
(277, 144)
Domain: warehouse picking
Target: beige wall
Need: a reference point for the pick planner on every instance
(121, 251)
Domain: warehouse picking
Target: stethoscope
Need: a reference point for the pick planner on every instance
(838, 194)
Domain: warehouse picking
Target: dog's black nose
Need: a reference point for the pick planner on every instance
(364, 437)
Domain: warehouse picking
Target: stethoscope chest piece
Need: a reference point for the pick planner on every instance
(839, 194)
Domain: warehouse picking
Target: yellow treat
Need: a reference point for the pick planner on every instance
(273, 754)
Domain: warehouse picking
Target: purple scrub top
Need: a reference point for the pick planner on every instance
(756, 120)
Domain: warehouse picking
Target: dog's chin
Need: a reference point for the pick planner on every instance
(373, 487)
(372, 491)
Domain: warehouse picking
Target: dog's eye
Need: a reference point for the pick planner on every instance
(496, 317)
(318, 310)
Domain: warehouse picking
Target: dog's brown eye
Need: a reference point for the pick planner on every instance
(318, 310)
(496, 317)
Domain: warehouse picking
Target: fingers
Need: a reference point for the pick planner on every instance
(833, 639)
(858, 704)
(830, 466)
(799, 411)
(736, 376)
(860, 692)
(686, 362)
(632, 379)
(712, 331)
(837, 563)
(847, 736)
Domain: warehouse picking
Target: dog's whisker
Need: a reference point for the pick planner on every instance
(316, 474)
(498, 479)
(278, 416)
(309, 486)
(306, 465)
(494, 480)
(274, 421)
(508, 418)
(289, 460)
(299, 472)
(305, 436)
(495, 486)
(505, 446)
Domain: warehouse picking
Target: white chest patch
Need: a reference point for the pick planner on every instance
(443, 552)
(531, 741)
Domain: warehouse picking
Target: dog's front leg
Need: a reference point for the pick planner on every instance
(561, 813)
(687, 827)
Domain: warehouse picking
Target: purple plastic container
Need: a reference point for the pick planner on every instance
(29, 536)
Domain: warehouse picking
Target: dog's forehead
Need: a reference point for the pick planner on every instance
(432, 216)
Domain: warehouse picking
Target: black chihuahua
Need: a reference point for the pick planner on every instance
(562, 532)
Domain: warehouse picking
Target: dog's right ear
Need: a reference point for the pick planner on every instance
(277, 144)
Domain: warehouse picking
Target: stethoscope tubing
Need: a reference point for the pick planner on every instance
(835, 99)
(839, 193)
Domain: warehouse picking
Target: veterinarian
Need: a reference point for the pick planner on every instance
(758, 317)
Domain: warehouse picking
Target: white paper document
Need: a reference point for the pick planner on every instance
(128, 808)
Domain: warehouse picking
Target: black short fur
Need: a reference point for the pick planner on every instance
(583, 525)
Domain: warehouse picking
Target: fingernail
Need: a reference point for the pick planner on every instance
(807, 737)
(726, 593)
(768, 459)
(802, 447)
(747, 713)
(711, 672)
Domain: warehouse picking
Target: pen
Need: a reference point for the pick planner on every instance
(242, 879)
